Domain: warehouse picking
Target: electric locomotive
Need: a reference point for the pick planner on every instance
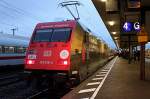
(62, 50)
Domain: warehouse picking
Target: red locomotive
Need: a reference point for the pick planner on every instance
(62, 49)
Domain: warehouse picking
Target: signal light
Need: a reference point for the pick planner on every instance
(30, 62)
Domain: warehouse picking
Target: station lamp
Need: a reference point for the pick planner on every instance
(114, 33)
(103, 0)
(115, 38)
(111, 23)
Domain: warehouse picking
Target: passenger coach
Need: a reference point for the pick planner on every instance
(12, 49)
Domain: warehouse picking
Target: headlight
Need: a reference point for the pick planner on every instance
(30, 62)
(64, 54)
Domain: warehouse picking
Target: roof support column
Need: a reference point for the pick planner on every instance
(142, 62)
(129, 59)
(142, 51)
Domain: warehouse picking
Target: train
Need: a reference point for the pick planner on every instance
(12, 49)
(64, 50)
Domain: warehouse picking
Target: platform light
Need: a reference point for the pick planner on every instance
(114, 33)
(111, 23)
(103, 0)
(115, 38)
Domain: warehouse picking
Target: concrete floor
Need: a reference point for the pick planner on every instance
(123, 82)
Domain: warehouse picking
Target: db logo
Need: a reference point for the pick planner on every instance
(47, 53)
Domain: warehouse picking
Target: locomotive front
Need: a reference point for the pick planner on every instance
(49, 47)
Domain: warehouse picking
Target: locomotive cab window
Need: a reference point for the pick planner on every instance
(43, 35)
(61, 35)
(52, 35)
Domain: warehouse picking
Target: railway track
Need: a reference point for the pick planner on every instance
(15, 87)
(10, 78)
(39, 94)
(20, 90)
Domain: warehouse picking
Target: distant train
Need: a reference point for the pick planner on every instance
(63, 50)
(12, 49)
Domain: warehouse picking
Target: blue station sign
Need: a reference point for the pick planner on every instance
(127, 26)
(131, 26)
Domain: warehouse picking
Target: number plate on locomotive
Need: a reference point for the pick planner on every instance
(31, 56)
(46, 62)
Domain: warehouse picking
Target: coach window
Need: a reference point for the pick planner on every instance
(6, 49)
(9, 49)
(20, 50)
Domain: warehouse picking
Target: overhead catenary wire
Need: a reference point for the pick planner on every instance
(3, 23)
(16, 16)
(58, 1)
(18, 10)
(4, 13)
(13, 18)
(70, 3)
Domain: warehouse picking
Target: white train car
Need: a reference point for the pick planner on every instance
(12, 49)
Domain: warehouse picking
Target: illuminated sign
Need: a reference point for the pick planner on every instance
(136, 26)
(130, 26)
(127, 26)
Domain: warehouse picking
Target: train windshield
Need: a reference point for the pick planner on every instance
(43, 35)
(61, 35)
(52, 35)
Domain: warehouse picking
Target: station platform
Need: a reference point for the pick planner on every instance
(117, 80)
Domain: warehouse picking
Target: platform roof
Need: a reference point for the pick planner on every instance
(120, 11)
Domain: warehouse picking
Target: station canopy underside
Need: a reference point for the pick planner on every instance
(115, 13)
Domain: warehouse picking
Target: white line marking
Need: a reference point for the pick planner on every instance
(87, 90)
(93, 83)
(100, 85)
(102, 75)
(105, 70)
(98, 78)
